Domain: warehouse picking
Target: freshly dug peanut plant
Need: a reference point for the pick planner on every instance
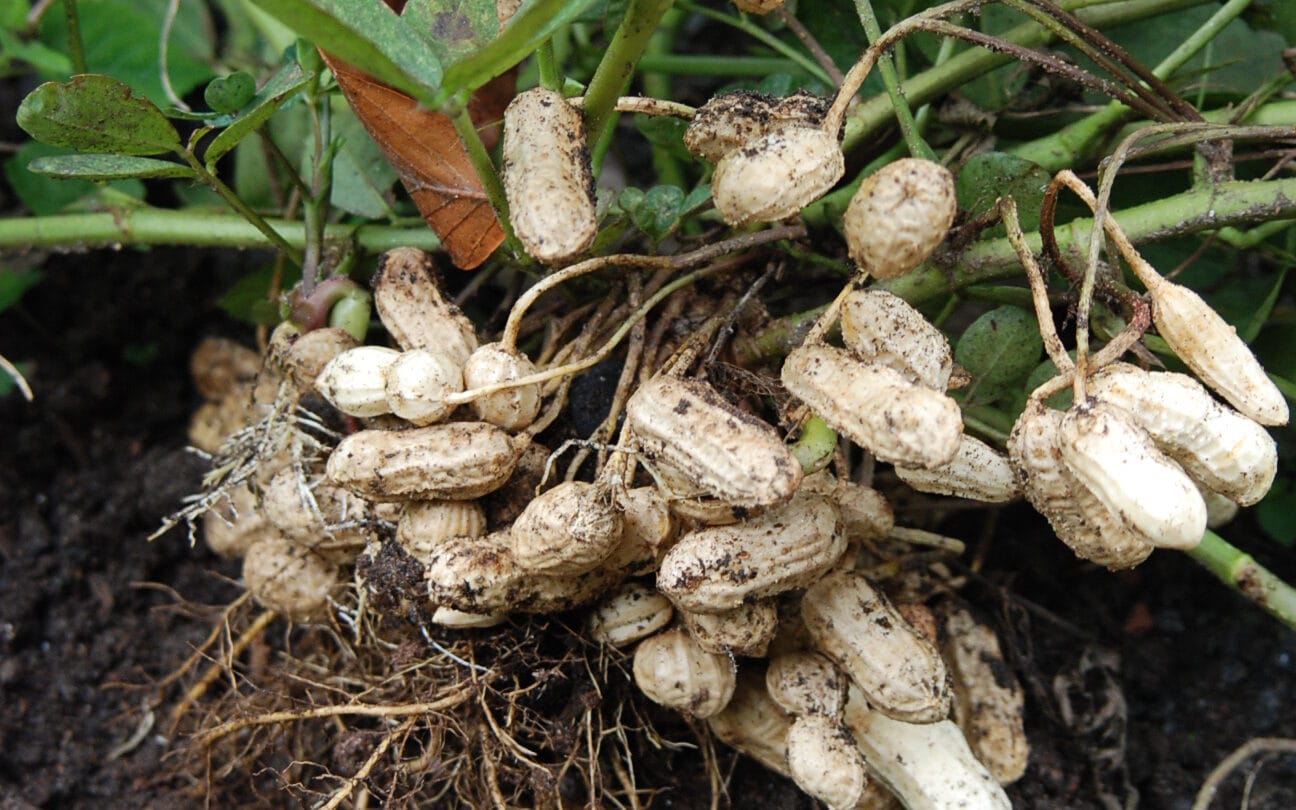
(546, 176)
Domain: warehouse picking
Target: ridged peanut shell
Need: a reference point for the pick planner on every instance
(632, 612)
(866, 515)
(1212, 349)
(417, 384)
(513, 408)
(754, 724)
(235, 523)
(425, 525)
(287, 578)
(805, 682)
(1218, 447)
(730, 120)
(725, 452)
(776, 175)
(1117, 461)
(457, 461)
(672, 670)
(569, 529)
(546, 176)
(899, 215)
(745, 630)
(317, 515)
(414, 311)
(977, 472)
(647, 531)
(875, 406)
(311, 352)
(825, 762)
(881, 327)
(899, 672)
(721, 568)
(355, 381)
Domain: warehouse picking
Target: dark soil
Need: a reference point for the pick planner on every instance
(1165, 656)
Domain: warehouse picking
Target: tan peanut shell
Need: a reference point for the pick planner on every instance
(754, 724)
(457, 461)
(462, 620)
(317, 515)
(1212, 349)
(730, 120)
(647, 532)
(355, 381)
(1117, 461)
(1218, 447)
(928, 766)
(569, 529)
(988, 700)
(630, 613)
(977, 472)
(212, 422)
(899, 672)
(721, 568)
(311, 352)
(724, 451)
(825, 762)
(1219, 510)
(417, 384)
(414, 311)
(235, 523)
(425, 525)
(511, 409)
(287, 578)
(745, 630)
(899, 215)
(503, 505)
(806, 682)
(547, 176)
(218, 366)
(1088, 527)
(875, 406)
(672, 670)
(776, 175)
(866, 515)
(881, 327)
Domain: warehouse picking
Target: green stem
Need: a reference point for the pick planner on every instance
(1242, 573)
(618, 65)
(234, 201)
(550, 76)
(690, 65)
(1075, 143)
(76, 50)
(490, 181)
(873, 114)
(886, 66)
(197, 228)
(751, 29)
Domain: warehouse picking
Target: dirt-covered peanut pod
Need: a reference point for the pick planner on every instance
(977, 472)
(899, 215)
(866, 515)
(425, 525)
(235, 522)
(417, 384)
(1219, 448)
(745, 630)
(805, 682)
(721, 568)
(632, 612)
(412, 308)
(513, 408)
(673, 670)
(219, 366)
(881, 327)
(569, 529)
(754, 724)
(875, 406)
(1117, 461)
(315, 514)
(928, 766)
(1211, 347)
(776, 175)
(853, 624)
(457, 461)
(1078, 518)
(721, 450)
(988, 700)
(355, 381)
(825, 762)
(647, 531)
(287, 578)
(311, 352)
(728, 121)
(546, 176)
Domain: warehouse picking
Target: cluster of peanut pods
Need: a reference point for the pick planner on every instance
(741, 579)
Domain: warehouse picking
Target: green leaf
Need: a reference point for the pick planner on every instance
(988, 176)
(13, 283)
(277, 89)
(658, 212)
(44, 195)
(227, 94)
(696, 199)
(361, 175)
(40, 56)
(108, 167)
(1252, 315)
(366, 34)
(535, 22)
(96, 114)
(664, 131)
(453, 28)
(998, 349)
(248, 299)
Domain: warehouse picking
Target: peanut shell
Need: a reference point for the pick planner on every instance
(414, 311)
(355, 381)
(899, 215)
(569, 529)
(806, 682)
(776, 175)
(632, 612)
(977, 472)
(731, 120)
(287, 578)
(425, 525)
(417, 385)
(511, 409)
(824, 761)
(672, 670)
(881, 327)
(745, 630)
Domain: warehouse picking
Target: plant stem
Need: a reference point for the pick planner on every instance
(1242, 573)
(490, 181)
(198, 228)
(886, 66)
(695, 65)
(547, 61)
(873, 114)
(806, 63)
(227, 194)
(618, 64)
(76, 50)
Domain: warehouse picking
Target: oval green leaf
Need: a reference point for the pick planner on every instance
(108, 167)
(277, 89)
(227, 94)
(986, 177)
(999, 348)
(95, 113)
